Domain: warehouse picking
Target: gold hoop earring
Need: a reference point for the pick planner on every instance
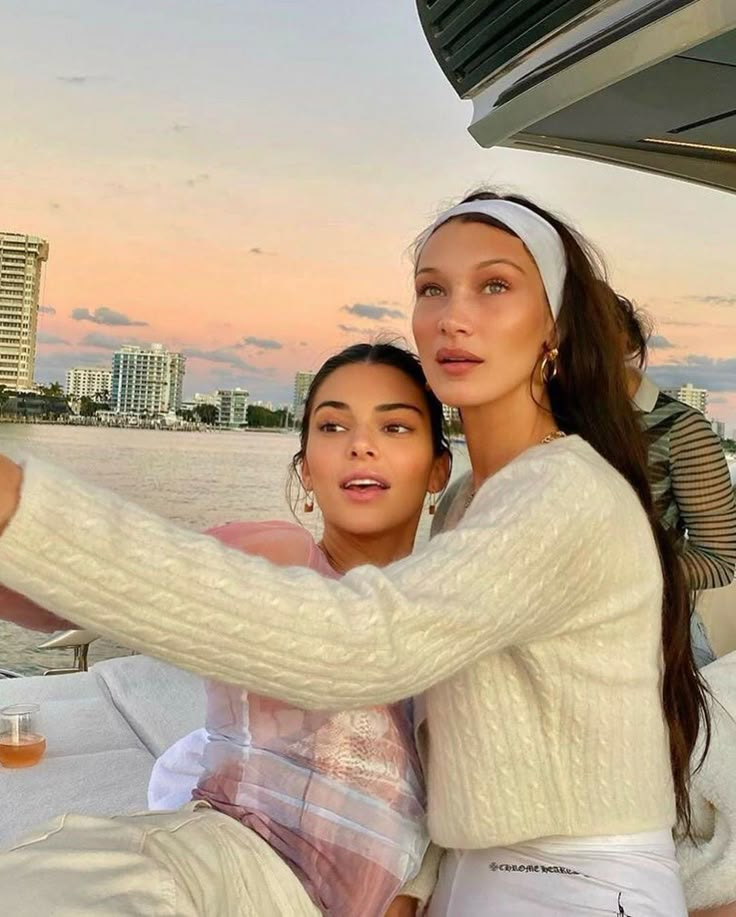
(548, 368)
(432, 508)
(309, 502)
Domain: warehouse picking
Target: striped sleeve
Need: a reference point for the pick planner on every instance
(701, 486)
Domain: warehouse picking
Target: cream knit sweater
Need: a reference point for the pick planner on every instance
(533, 627)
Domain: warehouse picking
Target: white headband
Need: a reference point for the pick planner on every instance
(540, 237)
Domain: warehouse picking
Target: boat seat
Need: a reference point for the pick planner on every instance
(104, 729)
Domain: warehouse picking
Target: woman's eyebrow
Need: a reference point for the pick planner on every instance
(337, 405)
(481, 264)
(397, 406)
(492, 261)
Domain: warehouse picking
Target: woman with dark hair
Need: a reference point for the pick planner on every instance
(688, 473)
(548, 630)
(332, 802)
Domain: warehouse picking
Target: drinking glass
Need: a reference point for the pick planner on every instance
(21, 744)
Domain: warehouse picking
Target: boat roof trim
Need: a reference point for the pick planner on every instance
(712, 173)
(687, 27)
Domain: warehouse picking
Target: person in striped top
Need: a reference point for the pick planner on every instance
(689, 476)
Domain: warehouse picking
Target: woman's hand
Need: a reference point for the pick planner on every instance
(11, 478)
(402, 906)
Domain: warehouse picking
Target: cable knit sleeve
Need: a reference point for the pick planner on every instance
(537, 554)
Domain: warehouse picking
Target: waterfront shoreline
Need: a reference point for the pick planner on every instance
(185, 427)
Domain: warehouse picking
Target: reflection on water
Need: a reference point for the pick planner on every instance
(195, 479)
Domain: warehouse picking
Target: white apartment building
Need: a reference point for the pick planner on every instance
(696, 397)
(233, 407)
(201, 398)
(302, 381)
(450, 415)
(718, 427)
(147, 381)
(21, 261)
(89, 382)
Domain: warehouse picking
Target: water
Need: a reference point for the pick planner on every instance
(195, 479)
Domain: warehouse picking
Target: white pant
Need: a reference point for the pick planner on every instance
(634, 875)
(192, 863)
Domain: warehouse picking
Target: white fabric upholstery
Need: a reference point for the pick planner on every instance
(101, 783)
(104, 729)
(708, 864)
(159, 702)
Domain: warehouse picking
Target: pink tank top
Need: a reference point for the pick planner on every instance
(338, 795)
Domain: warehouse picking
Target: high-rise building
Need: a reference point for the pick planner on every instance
(89, 382)
(147, 381)
(719, 428)
(302, 381)
(233, 407)
(21, 260)
(696, 397)
(451, 415)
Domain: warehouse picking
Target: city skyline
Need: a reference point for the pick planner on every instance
(670, 378)
(257, 230)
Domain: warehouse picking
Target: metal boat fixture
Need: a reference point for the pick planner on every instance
(649, 84)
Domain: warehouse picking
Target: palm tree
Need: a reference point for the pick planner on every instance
(55, 390)
(56, 401)
(207, 414)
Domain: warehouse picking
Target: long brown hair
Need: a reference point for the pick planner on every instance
(589, 396)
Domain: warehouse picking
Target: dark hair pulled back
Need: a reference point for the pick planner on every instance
(636, 327)
(381, 353)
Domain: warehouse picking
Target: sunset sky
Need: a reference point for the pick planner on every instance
(241, 179)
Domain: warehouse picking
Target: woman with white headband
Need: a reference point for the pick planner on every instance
(546, 629)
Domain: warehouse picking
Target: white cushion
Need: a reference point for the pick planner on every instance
(104, 729)
(105, 783)
(159, 702)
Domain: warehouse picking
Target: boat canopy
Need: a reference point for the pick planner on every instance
(650, 85)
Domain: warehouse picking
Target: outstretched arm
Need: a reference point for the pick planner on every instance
(527, 562)
(14, 607)
(281, 544)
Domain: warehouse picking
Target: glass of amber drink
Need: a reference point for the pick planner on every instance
(21, 744)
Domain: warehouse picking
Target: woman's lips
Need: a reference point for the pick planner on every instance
(364, 494)
(457, 362)
(458, 368)
(363, 488)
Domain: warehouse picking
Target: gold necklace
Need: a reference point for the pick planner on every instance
(549, 438)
